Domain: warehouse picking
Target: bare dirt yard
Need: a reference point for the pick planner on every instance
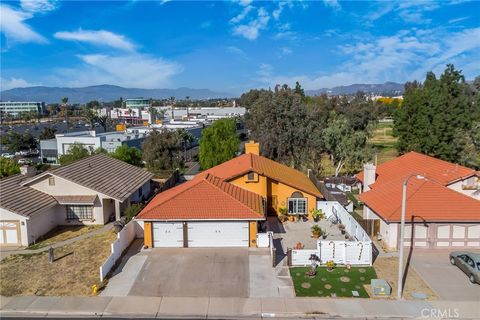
(74, 271)
(62, 233)
(387, 268)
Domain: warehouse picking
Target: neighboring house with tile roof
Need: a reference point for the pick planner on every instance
(89, 191)
(442, 203)
(223, 205)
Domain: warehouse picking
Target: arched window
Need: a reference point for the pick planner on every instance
(297, 204)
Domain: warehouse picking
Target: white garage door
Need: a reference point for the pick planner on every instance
(168, 234)
(218, 234)
(9, 232)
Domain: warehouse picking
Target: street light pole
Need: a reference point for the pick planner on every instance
(402, 233)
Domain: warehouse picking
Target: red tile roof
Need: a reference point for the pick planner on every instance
(208, 197)
(425, 200)
(276, 171)
(430, 199)
(438, 170)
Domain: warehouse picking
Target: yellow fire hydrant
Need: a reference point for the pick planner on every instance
(94, 289)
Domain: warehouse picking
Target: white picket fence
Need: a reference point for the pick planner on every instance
(341, 252)
(124, 239)
(353, 228)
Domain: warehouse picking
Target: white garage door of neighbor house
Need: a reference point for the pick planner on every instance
(218, 234)
(168, 234)
(9, 232)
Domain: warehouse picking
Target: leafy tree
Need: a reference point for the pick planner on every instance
(434, 112)
(132, 211)
(94, 104)
(47, 133)
(347, 147)
(219, 143)
(8, 167)
(17, 142)
(76, 152)
(162, 150)
(187, 139)
(128, 154)
(64, 109)
(468, 142)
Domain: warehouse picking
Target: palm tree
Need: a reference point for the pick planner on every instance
(172, 100)
(153, 114)
(130, 114)
(187, 138)
(188, 101)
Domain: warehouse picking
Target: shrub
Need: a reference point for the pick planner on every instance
(132, 211)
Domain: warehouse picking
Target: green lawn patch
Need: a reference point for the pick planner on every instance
(340, 281)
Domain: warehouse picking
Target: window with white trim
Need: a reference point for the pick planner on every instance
(79, 212)
(297, 205)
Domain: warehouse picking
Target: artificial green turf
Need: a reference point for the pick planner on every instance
(317, 285)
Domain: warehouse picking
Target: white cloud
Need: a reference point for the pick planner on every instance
(13, 82)
(405, 56)
(286, 51)
(457, 20)
(409, 11)
(242, 15)
(39, 6)
(130, 70)
(13, 26)
(251, 31)
(245, 2)
(332, 4)
(97, 37)
(277, 12)
(285, 35)
(236, 50)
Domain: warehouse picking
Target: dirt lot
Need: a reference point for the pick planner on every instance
(387, 268)
(73, 272)
(62, 233)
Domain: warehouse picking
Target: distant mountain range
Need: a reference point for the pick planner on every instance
(107, 93)
(386, 89)
(104, 93)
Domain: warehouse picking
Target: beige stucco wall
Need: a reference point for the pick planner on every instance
(389, 233)
(7, 215)
(43, 222)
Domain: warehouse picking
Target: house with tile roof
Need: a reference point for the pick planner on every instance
(93, 190)
(223, 205)
(442, 202)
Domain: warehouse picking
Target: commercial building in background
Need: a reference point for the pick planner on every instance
(137, 103)
(14, 108)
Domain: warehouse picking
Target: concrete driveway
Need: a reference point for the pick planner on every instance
(448, 281)
(195, 272)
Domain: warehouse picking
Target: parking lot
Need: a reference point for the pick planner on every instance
(196, 272)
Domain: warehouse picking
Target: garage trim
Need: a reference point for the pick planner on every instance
(4, 234)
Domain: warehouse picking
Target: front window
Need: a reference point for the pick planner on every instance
(297, 206)
(77, 212)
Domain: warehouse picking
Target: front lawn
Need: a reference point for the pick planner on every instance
(62, 233)
(340, 282)
(74, 271)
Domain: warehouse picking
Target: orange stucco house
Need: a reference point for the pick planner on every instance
(221, 207)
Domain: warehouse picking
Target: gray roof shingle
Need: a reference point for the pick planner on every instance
(22, 200)
(102, 173)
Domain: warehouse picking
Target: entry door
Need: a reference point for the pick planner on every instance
(9, 232)
(168, 234)
(218, 234)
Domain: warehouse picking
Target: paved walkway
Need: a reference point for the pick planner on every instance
(4, 252)
(221, 307)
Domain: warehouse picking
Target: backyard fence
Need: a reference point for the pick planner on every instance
(340, 252)
(335, 209)
(124, 239)
(302, 257)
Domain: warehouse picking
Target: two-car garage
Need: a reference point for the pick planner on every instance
(201, 234)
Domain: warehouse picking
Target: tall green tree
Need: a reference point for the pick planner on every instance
(105, 122)
(162, 150)
(76, 152)
(47, 133)
(219, 143)
(8, 167)
(90, 116)
(17, 142)
(434, 112)
(128, 154)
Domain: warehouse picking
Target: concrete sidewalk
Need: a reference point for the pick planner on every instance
(199, 307)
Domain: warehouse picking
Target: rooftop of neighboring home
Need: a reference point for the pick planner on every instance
(413, 162)
(102, 173)
(428, 195)
(206, 198)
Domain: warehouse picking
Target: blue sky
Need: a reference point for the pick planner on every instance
(236, 45)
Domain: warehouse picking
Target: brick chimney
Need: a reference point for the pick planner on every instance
(252, 147)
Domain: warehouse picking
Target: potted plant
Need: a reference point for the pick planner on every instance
(330, 265)
(291, 217)
(316, 231)
(341, 226)
(299, 246)
(282, 214)
(317, 215)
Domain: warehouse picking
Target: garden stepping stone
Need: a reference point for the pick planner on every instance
(343, 290)
(345, 279)
(328, 286)
(362, 270)
(362, 278)
(324, 279)
(306, 285)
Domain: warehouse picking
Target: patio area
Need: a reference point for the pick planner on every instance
(291, 233)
